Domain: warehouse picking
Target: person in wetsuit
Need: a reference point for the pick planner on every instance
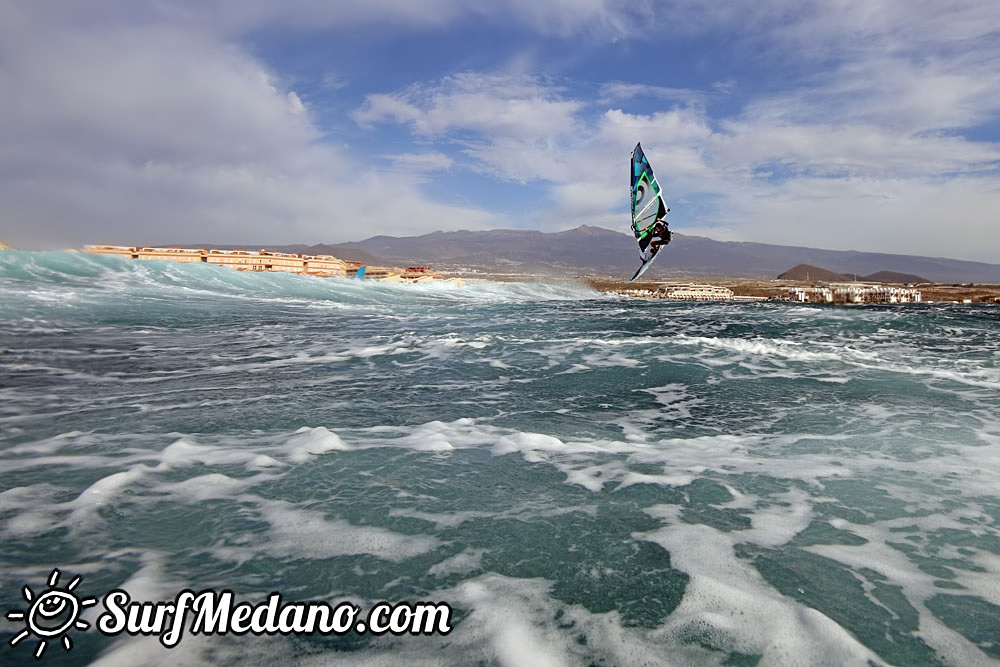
(654, 236)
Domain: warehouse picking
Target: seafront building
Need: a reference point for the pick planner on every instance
(808, 295)
(851, 293)
(241, 260)
(875, 294)
(692, 292)
(268, 261)
(688, 292)
(844, 293)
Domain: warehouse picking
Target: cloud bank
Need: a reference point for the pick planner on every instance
(860, 125)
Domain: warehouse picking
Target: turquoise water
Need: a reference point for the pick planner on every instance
(584, 478)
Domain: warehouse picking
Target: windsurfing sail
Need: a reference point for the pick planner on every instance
(648, 211)
(360, 275)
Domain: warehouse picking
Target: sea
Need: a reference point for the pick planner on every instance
(569, 477)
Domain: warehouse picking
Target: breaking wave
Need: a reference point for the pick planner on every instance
(73, 275)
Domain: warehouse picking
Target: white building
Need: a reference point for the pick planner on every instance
(686, 292)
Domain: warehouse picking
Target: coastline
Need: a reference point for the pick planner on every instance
(761, 289)
(696, 288)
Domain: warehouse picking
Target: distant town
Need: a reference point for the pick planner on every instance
(844, 293)
(779, 289)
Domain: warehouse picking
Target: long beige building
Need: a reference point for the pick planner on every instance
(694, 292)
(265, 260)
(241, 260)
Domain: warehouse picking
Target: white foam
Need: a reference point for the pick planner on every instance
(443, 520)
(438, 436)
(183, 453)
(514, 622)
(430, 437)
(917, 586)
(469, 560)
(308, 534)
(575, 368)
(529, 444)
(21, 497)
(33, 505)
(49, 446)
(263, 461)
(106, 489)
(728, 600)
(760, 347)
(308, 442)
(515, 641)
(151, 584)
(610, 359)
(207, 487)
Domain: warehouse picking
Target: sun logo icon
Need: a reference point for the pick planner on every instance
(52, 614)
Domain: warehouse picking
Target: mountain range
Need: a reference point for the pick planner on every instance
(808, 272)
(595, 251)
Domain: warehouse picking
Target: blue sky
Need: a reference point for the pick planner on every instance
(858, 124)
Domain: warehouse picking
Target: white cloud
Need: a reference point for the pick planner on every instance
(524, 128)
(775, 174)
(148, 121)
(848, 150)
(912, 216)
(517, 120)
(119, 133)
(422, 162)
(148, 95)
(891, 27)
(617, 91)
(613, 19)
(600, 19)
(512, 106)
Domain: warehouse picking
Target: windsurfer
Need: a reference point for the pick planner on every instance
(654, 236)
(649, 211)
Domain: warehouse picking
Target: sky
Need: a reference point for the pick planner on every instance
(869, 125)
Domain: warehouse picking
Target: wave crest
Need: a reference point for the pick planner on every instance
(39, 272)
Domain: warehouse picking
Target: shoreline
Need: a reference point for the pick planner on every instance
(698, 288)
(762, 289)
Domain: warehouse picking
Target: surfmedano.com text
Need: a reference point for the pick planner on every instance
(217, 613)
